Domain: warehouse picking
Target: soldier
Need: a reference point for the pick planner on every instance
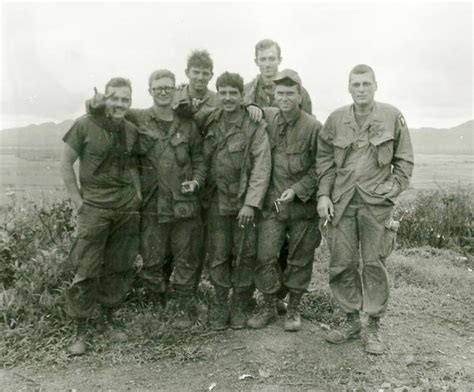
(365, 159)
(107, 199)
(195, 95)
(290, 204)
(237, 153)
(260, 91)
(172, 170)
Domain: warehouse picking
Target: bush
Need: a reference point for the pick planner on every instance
(442, 219)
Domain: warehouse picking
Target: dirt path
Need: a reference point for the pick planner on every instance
(424, 352)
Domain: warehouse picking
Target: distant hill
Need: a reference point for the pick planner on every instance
(456, 140)
(43, 136)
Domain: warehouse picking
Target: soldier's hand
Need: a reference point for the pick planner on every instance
(188, 187)
(255, 113)
(98, 100)
(287, 196)
(246, 216)
(325, 208)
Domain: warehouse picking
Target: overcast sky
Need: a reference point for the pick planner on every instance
(54, 54)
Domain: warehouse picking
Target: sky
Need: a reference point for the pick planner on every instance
(54, 54)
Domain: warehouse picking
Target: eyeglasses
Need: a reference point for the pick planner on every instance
(159, 90)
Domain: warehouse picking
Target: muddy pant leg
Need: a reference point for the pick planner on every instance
(305, 237)
(120, 253)
(242, 274)
(371, 225)
(87, 256)
(220, 250)
(271, 235)
(344, 278)
(186, 262)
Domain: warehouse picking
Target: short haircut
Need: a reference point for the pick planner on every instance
(266, 44)
(288, 82)
(118, 82)
(200, 59)
(231, 80)
(161, 73)
(362, 69)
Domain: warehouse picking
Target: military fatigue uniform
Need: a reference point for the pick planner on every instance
(107, 227)
(257, 93)
(209, 102)
(169, 156)
(362, 170)
(293, 147)
(238, 158)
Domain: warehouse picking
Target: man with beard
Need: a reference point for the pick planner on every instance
(107, 198)
(364, 161)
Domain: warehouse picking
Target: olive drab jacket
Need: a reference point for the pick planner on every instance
(238, 160)
(167, 159)
(255, 94)
(377, 159)
(293, 145)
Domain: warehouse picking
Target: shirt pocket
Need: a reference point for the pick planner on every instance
(298, 158)
(180, 146)
(341, 149)
(383, 149)
(236, 147)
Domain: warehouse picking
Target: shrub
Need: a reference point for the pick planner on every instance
(442, 219)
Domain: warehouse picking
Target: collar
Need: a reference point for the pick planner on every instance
(291, 121)
(374, 119)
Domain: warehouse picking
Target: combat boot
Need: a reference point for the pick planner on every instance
(250, 302)
(183, 318)
(281, 305)
(220, 310)
(349, 330)
(238, 318)
(116, 328)
(78, 347)
(293, 318)
(374, 343)
(266, 315)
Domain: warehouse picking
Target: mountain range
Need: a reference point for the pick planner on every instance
(48, 136)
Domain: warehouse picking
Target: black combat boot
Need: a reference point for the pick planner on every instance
(374, 343)
(293, 318)
(349, 330)
(183, 317)
(266, 315)
(220, 310)
(238, 317)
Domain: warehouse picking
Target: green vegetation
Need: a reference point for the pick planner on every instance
(441, 218)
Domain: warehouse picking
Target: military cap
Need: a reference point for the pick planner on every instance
(288, 74)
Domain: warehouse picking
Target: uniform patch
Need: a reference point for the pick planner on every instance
(402, 120)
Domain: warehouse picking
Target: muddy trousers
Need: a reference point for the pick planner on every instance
(304, 238)
(103, 257)
(160, 240)
(361, 232)
(224, 235)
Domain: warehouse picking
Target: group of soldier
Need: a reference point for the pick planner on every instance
(236, 178)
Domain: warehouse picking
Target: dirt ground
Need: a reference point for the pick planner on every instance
(428, 332)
